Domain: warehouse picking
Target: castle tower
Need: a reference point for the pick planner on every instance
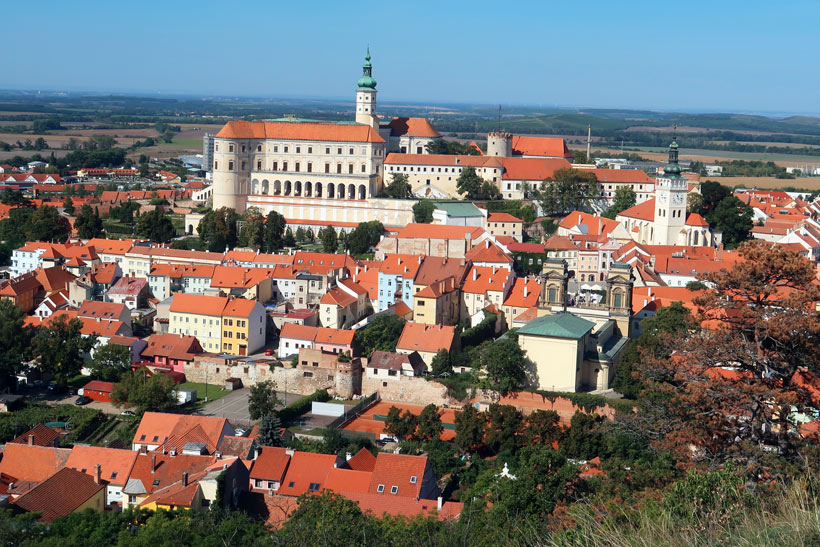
(366, 96)
(499, 143)
(619, 296)
(670, 201)
(554, 287)
(231, 174)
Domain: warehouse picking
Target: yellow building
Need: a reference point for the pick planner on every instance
(243, 327)
(437, 304)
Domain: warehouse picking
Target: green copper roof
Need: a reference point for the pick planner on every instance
(366, 82)
(673, 169)
(558, 325)
(458, 209)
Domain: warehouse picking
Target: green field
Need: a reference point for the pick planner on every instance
(214, 391)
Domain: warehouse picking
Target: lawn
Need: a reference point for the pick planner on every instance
(214, 391)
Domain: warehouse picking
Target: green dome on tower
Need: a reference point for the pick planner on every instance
(673, 169)
(366, 82)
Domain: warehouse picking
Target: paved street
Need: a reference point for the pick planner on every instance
(234, 406)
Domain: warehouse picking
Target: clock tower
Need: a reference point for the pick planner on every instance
(670, 202)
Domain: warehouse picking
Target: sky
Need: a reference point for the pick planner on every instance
(690, 55)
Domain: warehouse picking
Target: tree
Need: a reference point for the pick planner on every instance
(441, 363)
(15, 343)
(364, 237)
(274, 231)
(625, 198)
(329, 240)
(401, 426)
(730, 388)
(694, 203)
(136, 389)
(88, 223)
(399, 187)
(568, 190)
(423, 211)
(474, 187)
(46, 224)
(15, 198)
(381, 334)
(503, 428)
(580, 156)
(156, 226)
(453, 148)
(270, 430)
(470, 424)
(68, 205)
(300, 234)
(326, 518)
(542, 427)
(262, 399)
(217, 229)
(734, 219)
(110, 362)
(712, 193)
(429, 423)
(62, 348)
(289, 240)
(505, 364)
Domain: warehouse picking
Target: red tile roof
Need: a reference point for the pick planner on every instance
(695, 219)
(481, 279)
(157, 427)
(517, 247)
(516, 297)
(240, 307)
(489, 252)
(104, 310)
(334, 336)
(43, 436)
(298, 332)
(363, 460)
(503, 217)
(623, 176)
(347, 480)
(443, 160)
(398, 470)
(378, 505)
(299, 131)
(594, 225)
(540, 146)
(438, 231)
(99, 385)
(128, 286)
(270, 464)
(59, 495)
(198, 304)
(168, 471)
(174, 346)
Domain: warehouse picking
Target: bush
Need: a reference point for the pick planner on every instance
(482, 332)
(299, 407)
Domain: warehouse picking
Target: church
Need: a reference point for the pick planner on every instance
(317, 172)
(663, 220)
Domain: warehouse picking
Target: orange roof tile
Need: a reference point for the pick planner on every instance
(115, 464)
(379, 505)
(398, 470)
(143, 480)
(404, 265)
(363, 460)
(502, 217)
(32, 463)
(198, 304)
(540, 146)
(443, 160)
(481, 279)
(429, 338)
(490, 252)
(299, 131)
(535, 169)
(623, 175)
(43, 436)
(412, 127)
(347, 480)
(641, 211)
(438, 231)
(240, 307)
(298, 332)
(334, 336)
(516, 297)
(157, 427)
(307, 469)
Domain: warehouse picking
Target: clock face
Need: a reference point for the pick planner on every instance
(662, 197)
(678, 199)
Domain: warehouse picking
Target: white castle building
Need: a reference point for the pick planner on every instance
(325, 173)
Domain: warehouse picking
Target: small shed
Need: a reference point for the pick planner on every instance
(233, 383)
(97, 390)
(186, 396)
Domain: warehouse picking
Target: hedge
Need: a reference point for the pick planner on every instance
(299, 407)
(482, 332)
(83, 421)
(588, 401)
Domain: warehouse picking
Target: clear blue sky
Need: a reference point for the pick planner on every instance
(688, 55)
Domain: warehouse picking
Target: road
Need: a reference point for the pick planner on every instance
(234, 406)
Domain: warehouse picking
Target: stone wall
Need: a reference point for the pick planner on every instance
(407, 389)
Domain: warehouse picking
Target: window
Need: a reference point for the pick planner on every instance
(298, 149)
(142, 437)
(156, 438)
(230, 165)
(216, 165)
(380, 488)
(364, 167)
(156, 482)
(327, 150)
(308, 374)
(310, 167)
(276, 149)
(290, 484)
(258, 147)
(296, 167)
(114, 475)
(350, 169)
(394, 490)
(414, 479)
(338, 167)
(310, 150)
(327, 168)
(230, 148)
(258, 165)
(286, 150)
(339, 150)
(391, 372)
(351, 151)
(206, 502)
(284, 166)
(313, 487)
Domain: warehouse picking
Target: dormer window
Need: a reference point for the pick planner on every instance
(414, 479)
(380, 488)
(394, 490)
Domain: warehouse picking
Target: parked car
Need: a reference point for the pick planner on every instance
(82, 400)
(268, 352)
(57, 388)
(127, 413)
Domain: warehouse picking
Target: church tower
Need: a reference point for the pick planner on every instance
(366, 96)
(670, 202)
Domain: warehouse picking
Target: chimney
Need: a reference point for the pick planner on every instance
(649, 292)
(475, 274)
(31, 439)
(525, 290)
(153, 462)
(184, 478)
(348, 456)
(11, 486)
(440, 502)
(97, 473)
(488, 243)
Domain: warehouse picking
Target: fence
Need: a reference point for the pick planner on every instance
(354, 412)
